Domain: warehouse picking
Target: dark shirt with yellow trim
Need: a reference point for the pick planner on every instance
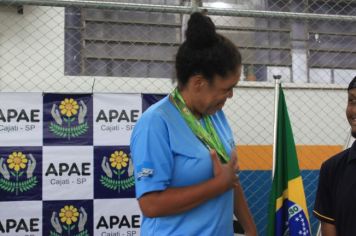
(336, 195)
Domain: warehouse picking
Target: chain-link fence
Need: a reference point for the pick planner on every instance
(116, 46)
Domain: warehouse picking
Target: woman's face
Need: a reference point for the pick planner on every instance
(213, 96)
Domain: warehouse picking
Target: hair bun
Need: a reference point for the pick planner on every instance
(201, 31)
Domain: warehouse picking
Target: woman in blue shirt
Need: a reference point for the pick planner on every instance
(183, 148)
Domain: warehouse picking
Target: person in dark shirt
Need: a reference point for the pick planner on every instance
(335, 200)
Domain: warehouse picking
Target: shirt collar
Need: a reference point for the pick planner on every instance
(352, 152)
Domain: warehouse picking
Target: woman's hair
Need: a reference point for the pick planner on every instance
(205, 52)
(352, 84)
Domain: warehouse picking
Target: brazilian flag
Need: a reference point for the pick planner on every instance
(288, 214)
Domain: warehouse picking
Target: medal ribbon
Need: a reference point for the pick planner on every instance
(207, 136)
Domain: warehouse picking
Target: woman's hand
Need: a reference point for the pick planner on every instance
(225, 173)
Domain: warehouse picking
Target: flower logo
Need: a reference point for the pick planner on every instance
(19, 166)
(122, 164)
(69, 107)
(69, 214)
(17, 161)
(119, 159)
(63, 223)
(70, 119)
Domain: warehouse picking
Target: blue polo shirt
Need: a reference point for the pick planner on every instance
(166, 153)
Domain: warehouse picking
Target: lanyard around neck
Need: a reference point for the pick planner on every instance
(208, 136)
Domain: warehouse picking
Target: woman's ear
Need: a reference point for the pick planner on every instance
(198, 82)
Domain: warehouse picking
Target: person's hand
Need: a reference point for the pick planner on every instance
(131, 168)
(82, 219)
(3, 169)
(225, 173)
(31, 166)
(55, 114)
(82, 112)
(55, 223)
(106, 167)
(234, 156)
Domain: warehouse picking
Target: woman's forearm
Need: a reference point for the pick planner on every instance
(177, 200)
(242, 212)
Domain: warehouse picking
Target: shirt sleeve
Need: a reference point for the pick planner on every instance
(151, 155)
(324, 202)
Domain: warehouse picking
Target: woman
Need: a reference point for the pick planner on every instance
(186, 181)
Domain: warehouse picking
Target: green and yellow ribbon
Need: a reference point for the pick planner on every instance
(207, 136)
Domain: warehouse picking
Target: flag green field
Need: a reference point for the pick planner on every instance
(288, 213)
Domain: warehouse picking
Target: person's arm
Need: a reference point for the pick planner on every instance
(177, 200)
(324, 201)
(328, 229)
(242, 212)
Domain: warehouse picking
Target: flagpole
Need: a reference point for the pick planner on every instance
(277, 81)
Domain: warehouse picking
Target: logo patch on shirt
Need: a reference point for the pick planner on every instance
(145, 172)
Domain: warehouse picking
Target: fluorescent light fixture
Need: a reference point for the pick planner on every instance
(219, 5)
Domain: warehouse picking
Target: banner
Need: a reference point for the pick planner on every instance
(288, 214)
(65, 164)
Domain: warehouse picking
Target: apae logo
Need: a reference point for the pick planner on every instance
(17, 173)
(66, 221)
(69, 111)
(113, 221)
(119, 173)
(22, 225)
(14, 117)
(115, 117)
(117, 217)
